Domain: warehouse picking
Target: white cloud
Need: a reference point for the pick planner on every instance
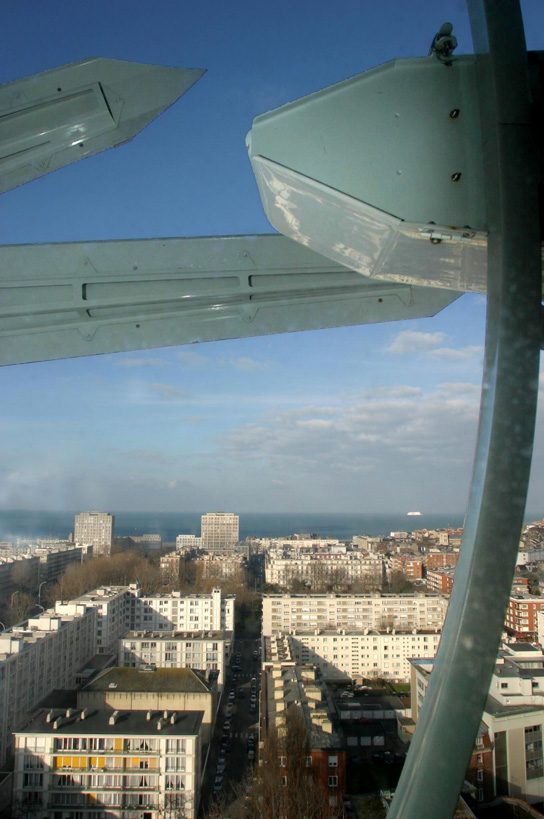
(249, 364)
(409, 341)
(457, 355)
(386, 435)
(167, 390)
(192, 360)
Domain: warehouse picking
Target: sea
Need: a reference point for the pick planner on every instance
(28, 525)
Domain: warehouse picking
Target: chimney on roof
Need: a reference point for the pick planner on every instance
(84, 713)
(114, 717)
(57, 723)
(159, 724)
(165, 714)
(148, 716)
(69, 712)
(173, 718)
(49, 716)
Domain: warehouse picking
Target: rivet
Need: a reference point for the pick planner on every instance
(455, 177)
(454, 113)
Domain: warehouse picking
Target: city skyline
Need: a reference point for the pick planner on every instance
(378, 418)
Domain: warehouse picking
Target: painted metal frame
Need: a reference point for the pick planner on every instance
(449, 721)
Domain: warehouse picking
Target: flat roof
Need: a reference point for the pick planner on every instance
(135, 723)
(175, 680)
(140, 634)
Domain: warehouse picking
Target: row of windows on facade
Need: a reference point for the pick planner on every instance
(332, 761)
(105, 781)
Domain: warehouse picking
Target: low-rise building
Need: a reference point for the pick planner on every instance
(222, 565)
(438, 559)
(188, 543)
(440, 580)
(103, 763)
(521, 616)
(409, 564)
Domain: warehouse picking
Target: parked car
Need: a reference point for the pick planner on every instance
(231, 695)
(347, 694)
(251, 755)
(252, 708)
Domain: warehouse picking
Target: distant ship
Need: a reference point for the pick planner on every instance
(413, 513)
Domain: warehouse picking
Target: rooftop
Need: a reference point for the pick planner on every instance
(173, 635)
(175, 680)
(133, 723)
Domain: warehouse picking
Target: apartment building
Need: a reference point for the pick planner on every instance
(481, 768)
(205, 652)
(440, 580)
(42, 654)
(439, 559)
(170, 565)
(96, 528)
(285, 612)
(343, 653)
(54, 560)
(220, 530)
(182, 612)
(287, 563)
(409, 564)
(149, 689)
(186, 543)
(78, 764)
(521, 616)
(508, 757)
(222, 565)
(113, 609)
(288, 686)
(15, 571)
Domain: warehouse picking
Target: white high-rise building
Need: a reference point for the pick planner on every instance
(96, 528)
(220, 530)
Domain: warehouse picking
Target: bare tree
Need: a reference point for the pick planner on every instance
(286, 785)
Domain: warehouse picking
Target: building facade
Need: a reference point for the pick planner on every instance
(182, 612)
(359, 655)
(79, 764)
(42, 654)
(96, 528)
(314, 567)
(285, 612)
(220, 530)
(186, 543)
(521, 616)
(201, 651)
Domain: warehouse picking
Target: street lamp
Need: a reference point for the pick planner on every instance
(3, 626)
(12, 596)
(43, 583)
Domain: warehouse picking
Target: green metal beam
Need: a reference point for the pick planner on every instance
(65, 300)
(51, 119)
(451, 714)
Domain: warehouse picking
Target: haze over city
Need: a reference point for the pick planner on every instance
(358, 419)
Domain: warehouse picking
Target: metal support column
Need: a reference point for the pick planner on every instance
(450, 718)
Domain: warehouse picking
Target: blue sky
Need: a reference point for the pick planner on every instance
(377, 418)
